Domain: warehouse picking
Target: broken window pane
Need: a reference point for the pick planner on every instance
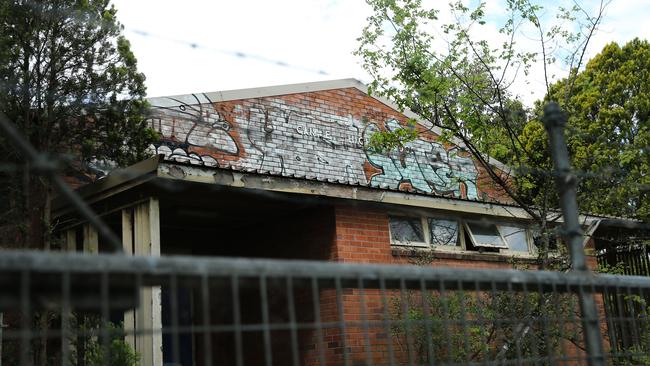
(443, 232)
(406, 229)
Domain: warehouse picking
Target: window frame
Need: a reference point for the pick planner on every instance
(424, 244)
(463, 230)
(460, 244)
(471, 236)
(529, 242)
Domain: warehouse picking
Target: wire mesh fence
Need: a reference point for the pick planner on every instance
(108, 309)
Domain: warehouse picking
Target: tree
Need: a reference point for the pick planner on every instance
(457, 79)
(608, 131)
(69, 82)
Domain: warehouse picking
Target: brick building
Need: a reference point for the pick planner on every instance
(282, 172)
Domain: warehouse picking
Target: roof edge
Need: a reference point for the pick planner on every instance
(266, 91)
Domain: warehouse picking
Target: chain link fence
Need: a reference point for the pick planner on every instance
(88, 310)
(114, 309)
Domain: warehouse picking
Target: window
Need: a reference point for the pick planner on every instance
(516, 238)
(406, 230)
(538, 240)
(443, 232)
(485, 235)
(455, 234)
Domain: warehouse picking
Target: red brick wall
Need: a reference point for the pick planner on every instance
(362, 236)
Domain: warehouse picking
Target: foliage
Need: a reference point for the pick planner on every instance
(608, 131)
(118, 352)
(449, 72)
(460, 327)
(69, 82)
(391, 140)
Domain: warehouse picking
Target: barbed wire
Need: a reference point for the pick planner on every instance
(232, 53)
(54, 13)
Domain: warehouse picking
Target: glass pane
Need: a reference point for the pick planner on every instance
(406, 229)
(485, 235)
(538, 240)
(515, 237)
(443, 232)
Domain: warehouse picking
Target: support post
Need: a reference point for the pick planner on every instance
(148, 317)
(70, 244)
(127, 243)
(555, 121)
(91, 239)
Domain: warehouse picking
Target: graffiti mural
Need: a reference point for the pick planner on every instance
(427, 166)
(305, 139)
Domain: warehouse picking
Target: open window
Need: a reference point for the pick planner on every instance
(450, 233)
(485, 235)
(516, 237)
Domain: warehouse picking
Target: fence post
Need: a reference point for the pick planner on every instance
(555, 121)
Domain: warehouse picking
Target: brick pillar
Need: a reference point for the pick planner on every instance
(592, 263)
(362, 237)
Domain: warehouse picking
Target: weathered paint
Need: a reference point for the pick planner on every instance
(318, 134)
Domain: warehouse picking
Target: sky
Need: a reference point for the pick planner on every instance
(195, 46)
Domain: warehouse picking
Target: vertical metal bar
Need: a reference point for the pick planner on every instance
(387, 321)
(499, 339)
(560, 319)
(207, 334)
(264, 296)
(622, 320)
(427, 321)
(463, 320)
(234, 282)
(610, 317)
(339, 307)
(26, 319)
(529, 322)
(543, 316)
(555, 121)
(105, 319)
(65, 319)
(138, 330)
(576, 325)
(364, 320)
(292, 322)
(175, 331)
(480, 318)
(315, 295)
(406, 322)
(2, 325)
(445, 315)
(636, 338)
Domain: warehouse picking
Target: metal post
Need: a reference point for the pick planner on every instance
(1, 326)
(555, 121)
